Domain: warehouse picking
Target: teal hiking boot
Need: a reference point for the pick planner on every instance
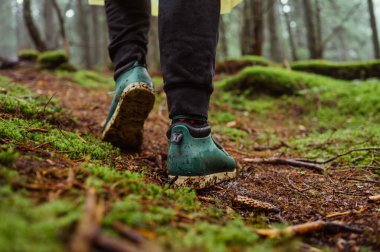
(133, 100)
(195, 159)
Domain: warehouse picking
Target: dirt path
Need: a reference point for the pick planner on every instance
(301, 195)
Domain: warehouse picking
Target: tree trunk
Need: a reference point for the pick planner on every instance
(292, 43)
(258, 27)
(246, 35)
(375, 36)
(310, 29)
(62, 28)
(153, 57)
(319, 35)
(275, 50)
(49, 25)
(95, 34)
(32, 28)
(223, 38)
(83, 30)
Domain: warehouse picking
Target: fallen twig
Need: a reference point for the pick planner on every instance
(88, 227)
(365, 180)
(283, 161)
(271, 148)
(337, 156)
(306, 228)
(374, 199)
(128, 233)
(250, 203)
(37, 130)
(107, 243)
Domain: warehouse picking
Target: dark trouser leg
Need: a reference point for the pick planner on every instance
(188, 31)
(128, 24)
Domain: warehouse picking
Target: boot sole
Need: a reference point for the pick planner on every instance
(202, 182)
(125, 128)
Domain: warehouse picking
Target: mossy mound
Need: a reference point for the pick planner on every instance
(275, 81)
(345, 70)
(232, 66)
(28, 55)
(67, 67)
(52, 59)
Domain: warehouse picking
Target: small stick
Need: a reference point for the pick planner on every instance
(271, 148)
(128, 233)
(306, 228)
(365, 180)
(374, 199)
(282, 161)
(111, 244)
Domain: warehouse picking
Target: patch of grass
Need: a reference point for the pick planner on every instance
(7, 156)
(232, 66)
(271, 81)
(88, 78)
(19, 131)
(28, 55)
(340, 70)
(26, 227)
(17, 99)
(52, 60)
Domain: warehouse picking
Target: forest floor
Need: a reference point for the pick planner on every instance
(63, 188)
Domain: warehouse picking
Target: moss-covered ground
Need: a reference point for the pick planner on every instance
(50, 163)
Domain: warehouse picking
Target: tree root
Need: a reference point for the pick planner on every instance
(283, 161)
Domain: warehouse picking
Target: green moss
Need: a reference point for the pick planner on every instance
(340, 70)
(67, 67)
(276, 81)
(18, 100)
(52, 59)
(17, 131)
(88, 78)
(232, 66)
(26, 227)
(7, 156)
(28, 55)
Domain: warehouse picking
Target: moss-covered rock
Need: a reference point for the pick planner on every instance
(232, 66)
(343, 70)
(28, 55)
(52, 59)
(67, 67)
(275, 81)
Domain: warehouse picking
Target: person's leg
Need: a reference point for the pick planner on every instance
(128, 26)
(128, 22)
(188, 33)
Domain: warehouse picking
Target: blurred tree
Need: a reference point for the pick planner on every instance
(375, 37)
(62, 29)
(153, 57)
(314, 53)
(275, 50)
(32, 28)
(292, 43)
(83, 30)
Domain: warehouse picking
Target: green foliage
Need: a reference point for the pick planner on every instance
(88, 78)
(232, 66)
(340, 70)
(17, 99)
(67, 67)
(52, 60)
(26, 227)
(28, 55)
(275, 81)
(17, 131)
(7, 156)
